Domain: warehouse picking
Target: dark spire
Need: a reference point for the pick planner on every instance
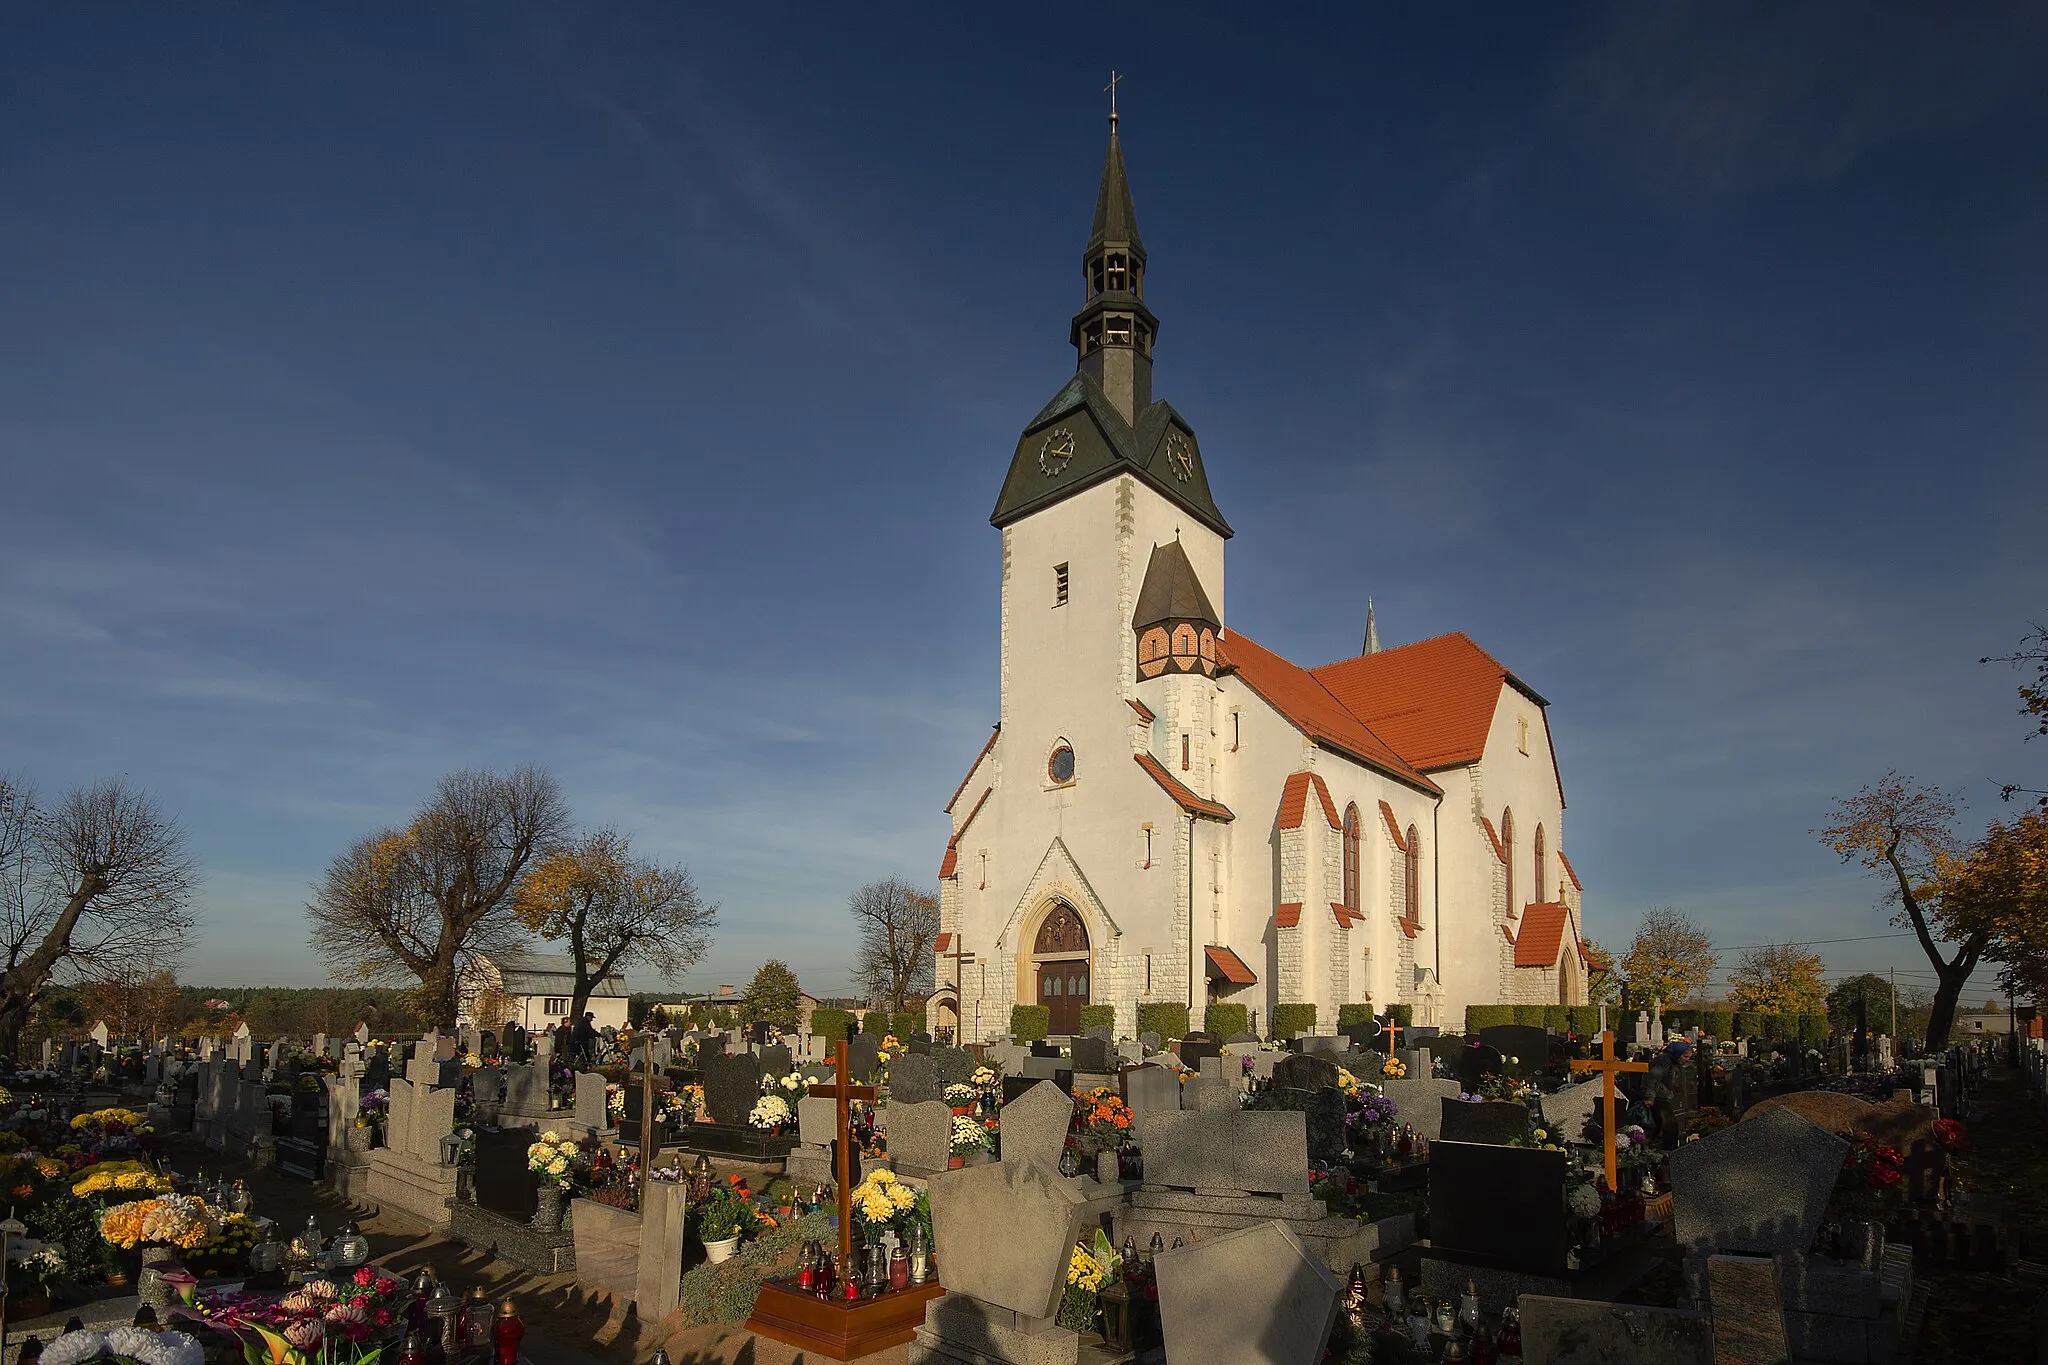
(1113, 332)
(1116, 216)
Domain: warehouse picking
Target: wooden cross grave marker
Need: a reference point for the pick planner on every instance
(1392, 1028)
(1609, 1066)
(844, 1094)
(959, 958)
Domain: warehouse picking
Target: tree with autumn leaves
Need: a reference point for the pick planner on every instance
(1966, 903)
(615, 911)
(1778, 978)
(487, 860)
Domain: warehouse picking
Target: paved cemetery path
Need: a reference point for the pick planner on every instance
(1982, 1315)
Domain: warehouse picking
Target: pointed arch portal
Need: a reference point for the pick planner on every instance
(1059, 957)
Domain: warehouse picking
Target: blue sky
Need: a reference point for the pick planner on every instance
(385, 390)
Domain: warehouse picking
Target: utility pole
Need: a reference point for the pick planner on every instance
(1895, 1004)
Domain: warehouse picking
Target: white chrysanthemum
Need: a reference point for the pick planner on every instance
(130, 1341)
(73, 1347)
(566, 1148)
(179, 1348)
(551, 1137)
(557, 1166)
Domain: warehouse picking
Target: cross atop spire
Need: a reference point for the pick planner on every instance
(1111, 88)
(1113, 332)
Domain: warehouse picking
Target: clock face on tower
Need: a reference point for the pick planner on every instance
(1056, 452)
(1178, 457)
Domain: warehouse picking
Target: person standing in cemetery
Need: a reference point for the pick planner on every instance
(583, 1038)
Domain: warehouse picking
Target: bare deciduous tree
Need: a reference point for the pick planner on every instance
(424, 899)
(898, 926)
(615, 911)
(97, 889)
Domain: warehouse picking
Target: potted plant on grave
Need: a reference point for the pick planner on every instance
(961, 1098)
(970, 1139)
(34, 1282)
(560, 1166)
(1092, 1267)
(367, 1131)
(1869, 1187)
(1105, 1122)
(770, 1113)
(721, 1220)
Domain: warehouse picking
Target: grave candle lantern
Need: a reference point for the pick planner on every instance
(505, 1334)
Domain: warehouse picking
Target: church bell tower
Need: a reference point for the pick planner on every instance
(1114, 331)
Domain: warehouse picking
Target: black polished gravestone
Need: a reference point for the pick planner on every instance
(1044, 1049)
(1365, 1035)
(732, 1087)
(953, 1065)
(1015, 1086)
(913, 1080)
(302, 1151)
(863, 1055)
(1323, 1118)
(1194, 1048)
(1473, 1063)
(450, 1074)
(1491, 1122)
(503, 1182)
(1524, 1050)
(1305, 1071)
(1094, 1054)
(629, 1121)
(1499, 1208)
(920, 1045)
(776, 1060)
(377, 1075)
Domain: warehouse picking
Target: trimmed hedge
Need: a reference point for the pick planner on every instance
(1813, 1028)
(1347, 1015)
(1479, 1017)
(906, 1023)
(1029, 1023)
(1103, 1016)
(1529, 1016)
(1224, 1020)
(831, 1025)
(1557, 1018)
(1165, 1018)
(1404, 1015)
(1289, 1020)
(1583, 1020)
(1718, 1025)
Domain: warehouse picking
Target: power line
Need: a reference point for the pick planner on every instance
(1812, 942)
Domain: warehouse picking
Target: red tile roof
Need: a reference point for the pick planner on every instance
(1144, 712)
(1566, 863)
(945, 942)
(1230, 967)
(1346, 916)
(1294, 800)
(1393, 828)
(1296, 694)
(1543, 929)
(973, 766)
(1433, 700)
(1287, 916)
(951, 862)
(1500, 850)
(1182, 796)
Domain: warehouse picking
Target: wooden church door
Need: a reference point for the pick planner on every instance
(1061, 953)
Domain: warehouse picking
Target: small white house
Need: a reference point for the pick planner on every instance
(539, 988)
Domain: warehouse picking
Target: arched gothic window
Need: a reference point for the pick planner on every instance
(1413, 859)
(1507, 844)
(1351, 858)
(1542, 873)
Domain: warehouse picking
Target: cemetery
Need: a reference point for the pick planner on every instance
(1390, 1192)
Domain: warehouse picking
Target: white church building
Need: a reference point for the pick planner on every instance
(1167, 811)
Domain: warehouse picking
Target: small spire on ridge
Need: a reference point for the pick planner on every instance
(1372, 630)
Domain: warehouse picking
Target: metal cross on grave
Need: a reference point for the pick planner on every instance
(1609, 1066)
(844, 1095)
(1392, 1028)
